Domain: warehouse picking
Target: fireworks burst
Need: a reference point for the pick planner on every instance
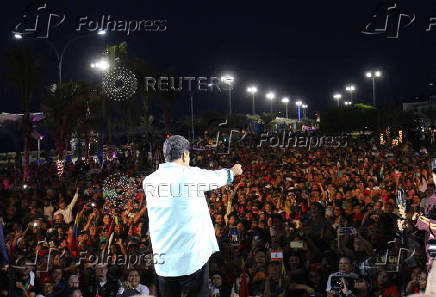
(118, 189)
(120, 84)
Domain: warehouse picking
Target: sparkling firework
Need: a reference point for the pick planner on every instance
(119, 84)
(119, 189)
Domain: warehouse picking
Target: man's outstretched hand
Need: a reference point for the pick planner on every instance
(236, 169)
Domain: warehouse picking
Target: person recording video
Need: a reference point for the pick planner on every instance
(341, 283)
(180, 226)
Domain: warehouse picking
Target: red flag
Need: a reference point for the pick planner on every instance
(243, 290)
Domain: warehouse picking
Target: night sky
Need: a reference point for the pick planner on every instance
(306, 49)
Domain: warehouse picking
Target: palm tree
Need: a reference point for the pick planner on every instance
(267, 119)
(142, 69)
(24, 72)
(117, 54)
(167, 100)
(88, 103)
(61, 106)
(430, 114)
(146, 130)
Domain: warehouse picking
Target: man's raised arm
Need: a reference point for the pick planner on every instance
(213, 179)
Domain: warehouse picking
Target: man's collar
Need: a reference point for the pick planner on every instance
(170, 164)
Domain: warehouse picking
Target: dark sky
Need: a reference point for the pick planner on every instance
(308, 49)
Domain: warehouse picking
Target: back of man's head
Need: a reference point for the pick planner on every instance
(174, 147)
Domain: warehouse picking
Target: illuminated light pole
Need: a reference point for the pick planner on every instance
(299, 103)
(373, 75)
(252, 90)
(350, 89)
(337, 97)
(60, 56)
(285, 100)
(304, 107)
(270, 96)
(228, 80)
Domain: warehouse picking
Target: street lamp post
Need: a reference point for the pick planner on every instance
(337, 97)
(299, 103)
(60, 56)
(228, 80)
(192, 116)
(285, 100)
(39, 147)
(304, 106)
(270, 96)
(350, 89)
(373, 75)
(252, 90)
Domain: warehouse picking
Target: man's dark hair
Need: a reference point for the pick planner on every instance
(174, 147)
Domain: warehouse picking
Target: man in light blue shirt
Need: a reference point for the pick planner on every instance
(180, 227)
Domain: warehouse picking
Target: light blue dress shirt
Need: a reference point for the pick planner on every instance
(181, 230)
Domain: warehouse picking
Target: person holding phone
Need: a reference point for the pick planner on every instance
(339, 283)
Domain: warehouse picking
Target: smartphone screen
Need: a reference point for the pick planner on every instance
(235, 234)
(296, 245)
(346, 231)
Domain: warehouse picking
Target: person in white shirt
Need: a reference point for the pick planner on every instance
(181, 230)
(132, 284)
(67, 211)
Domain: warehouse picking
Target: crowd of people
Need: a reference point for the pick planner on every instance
(297, 222)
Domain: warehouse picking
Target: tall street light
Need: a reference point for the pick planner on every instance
(350, 89)
(60, 56)
(252, 90)
(373, 75)
(285, 100)
(304, 107)
(228, 81)
(337, 97)
(299, 103)
(270, 96)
